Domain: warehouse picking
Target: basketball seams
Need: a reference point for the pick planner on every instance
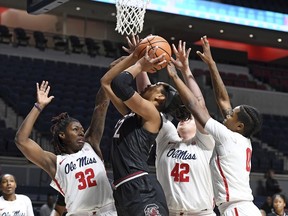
(152, 47)
(154, 41)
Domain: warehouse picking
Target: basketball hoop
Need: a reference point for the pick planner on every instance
(130, 16)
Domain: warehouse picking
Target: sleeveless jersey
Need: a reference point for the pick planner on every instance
(131, 146)
(182, 168)
(81, 178)
(230, 164)
(21, 206)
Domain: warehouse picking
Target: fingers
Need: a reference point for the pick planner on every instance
(201, 55)
(37, 86)
(173, 60)
(175, 51)
(205, 41)
(47, 89)
(188, 52)
(44, 87)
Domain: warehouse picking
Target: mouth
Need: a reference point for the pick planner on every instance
(81, 141)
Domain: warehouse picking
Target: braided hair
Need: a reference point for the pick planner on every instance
(59, 124)
(251, 118)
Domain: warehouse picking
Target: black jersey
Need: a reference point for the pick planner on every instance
(131, 146)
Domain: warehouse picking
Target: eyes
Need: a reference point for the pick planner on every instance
(78, 129)
(7, 181)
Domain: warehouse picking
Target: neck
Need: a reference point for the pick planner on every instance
(187, 135)
(9, 197)
(280, 213)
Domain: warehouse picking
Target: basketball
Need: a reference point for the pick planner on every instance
(153, 41)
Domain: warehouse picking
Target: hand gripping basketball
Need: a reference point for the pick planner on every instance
(154, 41)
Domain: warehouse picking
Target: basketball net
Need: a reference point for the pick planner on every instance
(130, 16)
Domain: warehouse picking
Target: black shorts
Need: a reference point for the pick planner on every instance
(142, 196)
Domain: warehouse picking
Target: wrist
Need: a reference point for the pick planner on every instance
(212, 63)
(38, 107)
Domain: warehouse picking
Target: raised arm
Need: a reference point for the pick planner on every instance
(122, 87)
(182, 63)
(142, 81)
(220, 91)
(117, 67)
(94, 133)
(32, 150)
(199, 112)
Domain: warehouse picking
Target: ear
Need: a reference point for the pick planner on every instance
(160, 98)
(61, 135)
(240, 126)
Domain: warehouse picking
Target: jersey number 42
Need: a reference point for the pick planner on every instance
(180, 172)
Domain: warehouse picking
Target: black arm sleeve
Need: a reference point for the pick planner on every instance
(121, 85)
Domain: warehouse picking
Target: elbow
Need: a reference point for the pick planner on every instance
(104, 84)
(121, 86)
(18, 140)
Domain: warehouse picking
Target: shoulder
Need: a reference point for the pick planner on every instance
(23, 197)
(206, 139)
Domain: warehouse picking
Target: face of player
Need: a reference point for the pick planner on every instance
(73, 137)
(279, 204)
(231, 121)
(8, 184)
(187, 129)
(152, 91)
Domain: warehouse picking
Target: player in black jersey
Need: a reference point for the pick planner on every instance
(136, 191)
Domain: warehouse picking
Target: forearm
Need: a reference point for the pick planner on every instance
(95, 131)
(186, 95)
(191, 83)
(110, 75)
(142, 81)
(135, 69)
(190, 101)
(220, 91)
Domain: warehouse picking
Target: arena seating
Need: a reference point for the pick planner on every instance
(232, 79)
(74, 87)
(275, 76)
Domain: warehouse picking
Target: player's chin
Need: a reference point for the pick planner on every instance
(80, 144)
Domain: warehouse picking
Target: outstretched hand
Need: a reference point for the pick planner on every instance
(133, 41)
(171, 69)
(182, 56)
(42, 94)
(206, 56)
